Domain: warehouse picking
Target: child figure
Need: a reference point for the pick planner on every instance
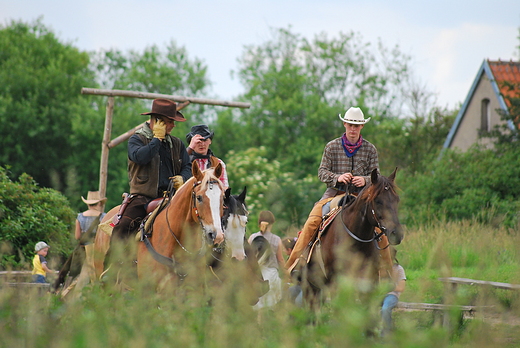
(40, 268)
(391, 299)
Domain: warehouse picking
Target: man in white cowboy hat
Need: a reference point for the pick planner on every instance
(346, 165)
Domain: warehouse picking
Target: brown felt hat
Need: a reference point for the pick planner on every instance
(166, 108)
(93, 197)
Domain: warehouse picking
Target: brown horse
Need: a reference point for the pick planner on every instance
(183, 232)
(348, 245)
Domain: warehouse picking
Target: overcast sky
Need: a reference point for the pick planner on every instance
(447, 40)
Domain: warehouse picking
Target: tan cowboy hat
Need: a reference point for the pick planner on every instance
(93, 197)
(354, 116)
(166, 108)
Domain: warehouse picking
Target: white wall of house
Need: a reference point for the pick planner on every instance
(468, 131)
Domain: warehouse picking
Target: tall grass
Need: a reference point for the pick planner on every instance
(222, 317)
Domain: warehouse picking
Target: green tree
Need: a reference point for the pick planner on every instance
(29, 214)
(297, 87)
(41, 106)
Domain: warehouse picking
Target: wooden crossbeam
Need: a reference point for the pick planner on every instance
(176, 98)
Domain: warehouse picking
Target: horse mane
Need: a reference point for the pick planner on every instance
(370, 192)
(208, 175)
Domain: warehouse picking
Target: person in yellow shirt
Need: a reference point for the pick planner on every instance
(40, 268)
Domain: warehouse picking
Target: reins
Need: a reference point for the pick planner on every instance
(377, 236)
(170, 262)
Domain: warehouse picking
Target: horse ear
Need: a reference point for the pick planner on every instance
(392, 176)
(374, 176)
(242, 196)
(227, 193)
(195, 170)
(218, 170)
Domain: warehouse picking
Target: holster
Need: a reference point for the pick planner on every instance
(126, 199)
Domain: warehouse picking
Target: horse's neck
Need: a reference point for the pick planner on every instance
(356, 219)
(182, 204)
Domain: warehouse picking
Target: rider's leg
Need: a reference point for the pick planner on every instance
(307, 232)
(123, 232)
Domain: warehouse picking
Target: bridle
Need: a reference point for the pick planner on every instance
(377, 236)
(171, 262)
(199, 219)
(240, 210)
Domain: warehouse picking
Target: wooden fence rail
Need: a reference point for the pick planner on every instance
(455, 280)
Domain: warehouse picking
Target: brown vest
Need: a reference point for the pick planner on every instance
(144, 180)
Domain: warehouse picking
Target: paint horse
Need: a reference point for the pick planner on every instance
(233, 263)
(183, 232)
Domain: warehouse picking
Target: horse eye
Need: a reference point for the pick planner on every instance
(199, 199)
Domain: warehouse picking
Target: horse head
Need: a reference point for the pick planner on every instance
(207, 202)
(234, 223)
(383, 202)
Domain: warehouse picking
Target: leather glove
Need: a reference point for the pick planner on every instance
(177, 182)
(159, 129)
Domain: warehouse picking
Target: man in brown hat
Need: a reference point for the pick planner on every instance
(154, 156)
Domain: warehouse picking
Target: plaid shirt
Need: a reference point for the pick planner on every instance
(334, 162)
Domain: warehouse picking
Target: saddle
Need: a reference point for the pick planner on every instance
(329, 212)
(152, 209)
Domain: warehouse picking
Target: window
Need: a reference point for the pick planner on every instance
(485, 116)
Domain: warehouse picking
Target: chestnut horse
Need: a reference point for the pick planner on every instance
(184, 230)
(348, 245)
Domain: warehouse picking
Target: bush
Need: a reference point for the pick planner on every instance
(29, 214)
(480, 184)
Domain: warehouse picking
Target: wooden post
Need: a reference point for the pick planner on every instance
(103, 167)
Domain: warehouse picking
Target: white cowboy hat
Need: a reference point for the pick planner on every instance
(93, 197)
(354, 116)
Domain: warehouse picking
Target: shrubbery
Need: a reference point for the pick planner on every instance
(479, 184)
(29, 214)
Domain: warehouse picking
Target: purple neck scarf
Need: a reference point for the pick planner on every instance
(349, 148)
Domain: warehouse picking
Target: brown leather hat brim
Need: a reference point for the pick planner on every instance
(179, 117)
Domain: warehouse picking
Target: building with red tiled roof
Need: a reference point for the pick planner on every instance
(480, 111)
